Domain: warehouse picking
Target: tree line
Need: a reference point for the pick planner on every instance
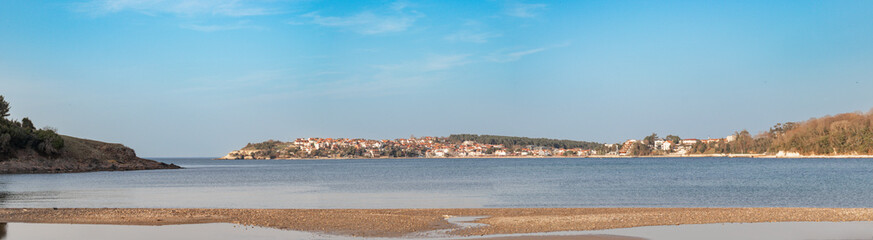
(516, 142)
(842, 134)
(848, 133)
(22, 135)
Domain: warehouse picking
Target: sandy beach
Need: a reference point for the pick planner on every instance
(405, 222)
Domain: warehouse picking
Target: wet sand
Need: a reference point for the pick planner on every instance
(573, 237)
(403, 222)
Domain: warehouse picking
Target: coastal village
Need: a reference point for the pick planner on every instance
(432, 147)
(667, 147)
(443, 147)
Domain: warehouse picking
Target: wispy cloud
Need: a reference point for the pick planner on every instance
(400, 5)
(510, 56)
(389, 79)
(524, 10)
(429, 64)
(365, 22)
(473, 37)
(197, 15)
(514, 56)
(190, 8)
(220, 27)
(443, 62)
(395, 18)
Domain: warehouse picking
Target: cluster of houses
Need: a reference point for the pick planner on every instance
(434, 147)
(423, 147)
(683, 146)
(437, 147)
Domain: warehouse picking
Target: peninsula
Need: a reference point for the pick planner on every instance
(459, 145)
(842, 135)
(26, 149)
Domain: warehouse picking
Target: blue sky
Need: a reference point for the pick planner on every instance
(203, 77)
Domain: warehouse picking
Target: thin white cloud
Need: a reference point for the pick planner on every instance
(197, 15)
(220, 27)
(189, 8)
(400, 5)
(473, 37)
(514, 56)
(524, 10)
(429, 64)
(365, 22)
(394, 18)
(388, 79)
(443, 62)
(504, 56)
(292, 22)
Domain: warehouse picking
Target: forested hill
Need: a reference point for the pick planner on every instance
(848, 133)
(842, 134)
(524, 141)
(26, 149)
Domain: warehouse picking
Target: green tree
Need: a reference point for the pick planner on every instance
(514, 142)
(699, 147)
(743, 142)
(5, 143)
(650, 140)
(673, 138)
(27, 124)
(640, 149)
(490, 150)
(4, 108)
(48, 141)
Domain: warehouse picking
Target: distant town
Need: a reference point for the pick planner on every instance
(455, 146)
(411, 147)
(847, 134)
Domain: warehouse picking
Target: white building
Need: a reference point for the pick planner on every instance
(667, 145)
(689, 141)
(658, 143)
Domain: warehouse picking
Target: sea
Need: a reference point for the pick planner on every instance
(456, 183)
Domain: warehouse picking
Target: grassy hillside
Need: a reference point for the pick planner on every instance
(25, 149)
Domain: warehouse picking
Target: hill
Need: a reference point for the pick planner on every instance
(524, 141)
(847, 134)
(842, 134)
(25, 149)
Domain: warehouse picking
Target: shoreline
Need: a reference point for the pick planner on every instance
(404, 222)
(590, 156)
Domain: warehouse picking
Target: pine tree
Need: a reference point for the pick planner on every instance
(4, 108)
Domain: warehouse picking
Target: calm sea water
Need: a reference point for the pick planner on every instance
(458, 183)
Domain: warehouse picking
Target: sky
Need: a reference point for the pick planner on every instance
(200, 78)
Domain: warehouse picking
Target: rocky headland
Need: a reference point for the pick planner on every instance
(78, 155)
(26, 149)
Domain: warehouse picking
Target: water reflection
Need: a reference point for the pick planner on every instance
(226, 231)
(3, 195)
